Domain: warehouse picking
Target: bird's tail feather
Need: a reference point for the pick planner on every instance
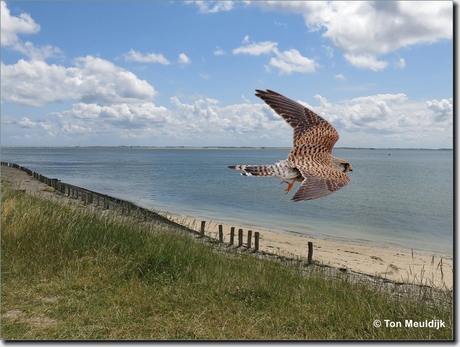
(280, 169)
(255, 170)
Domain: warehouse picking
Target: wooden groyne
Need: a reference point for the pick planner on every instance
(89, 197)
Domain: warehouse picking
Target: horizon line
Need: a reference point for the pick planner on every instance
(211, 147)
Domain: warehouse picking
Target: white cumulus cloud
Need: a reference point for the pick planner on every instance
(219, 51)
(365, 61)
(90, 79)
(392, 119)
(140, 115)
(183, 59)
(257, 48)
(286, 62)
(139, 57)
(400, 64)
(381, 120)
(212, 6)
(12, 27)
(366, 30)
(291, 61)
(443, 109)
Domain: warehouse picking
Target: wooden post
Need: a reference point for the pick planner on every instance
(249, 238)
(240, 237)
(203, 223)
(256, 240)
(310, 253)
(232, 235)
(221, 233)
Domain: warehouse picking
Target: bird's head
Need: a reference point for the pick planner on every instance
(346, 167)
(341, 164)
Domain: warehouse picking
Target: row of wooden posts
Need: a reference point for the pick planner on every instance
(85, 195)
(126, 207)
(249, 239)
(232, 236)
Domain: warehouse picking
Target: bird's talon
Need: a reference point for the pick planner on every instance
(289, 185)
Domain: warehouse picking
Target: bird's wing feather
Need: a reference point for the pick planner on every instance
(319, 181)
(312, 133)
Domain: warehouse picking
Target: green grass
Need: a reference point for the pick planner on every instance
(68, 273)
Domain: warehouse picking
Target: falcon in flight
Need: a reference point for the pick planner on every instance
(310, 160)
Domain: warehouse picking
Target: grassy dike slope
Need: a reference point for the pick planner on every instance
(71, 273)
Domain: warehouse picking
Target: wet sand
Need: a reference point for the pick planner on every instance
(396, 265)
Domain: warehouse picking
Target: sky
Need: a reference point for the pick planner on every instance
(184, 73)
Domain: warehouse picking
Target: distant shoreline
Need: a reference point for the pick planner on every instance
(227, 147)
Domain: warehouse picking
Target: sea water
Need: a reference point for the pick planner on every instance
(397, 198)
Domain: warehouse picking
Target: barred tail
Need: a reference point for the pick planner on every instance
(254, 170)
(280, 169)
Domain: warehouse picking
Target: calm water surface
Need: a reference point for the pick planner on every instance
(396, 198)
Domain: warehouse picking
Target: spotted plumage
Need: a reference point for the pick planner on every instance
(310, 160)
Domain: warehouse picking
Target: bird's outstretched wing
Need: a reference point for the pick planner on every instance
(312, 133)
(319, 181)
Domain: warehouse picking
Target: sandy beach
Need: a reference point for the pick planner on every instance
(396, 265)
